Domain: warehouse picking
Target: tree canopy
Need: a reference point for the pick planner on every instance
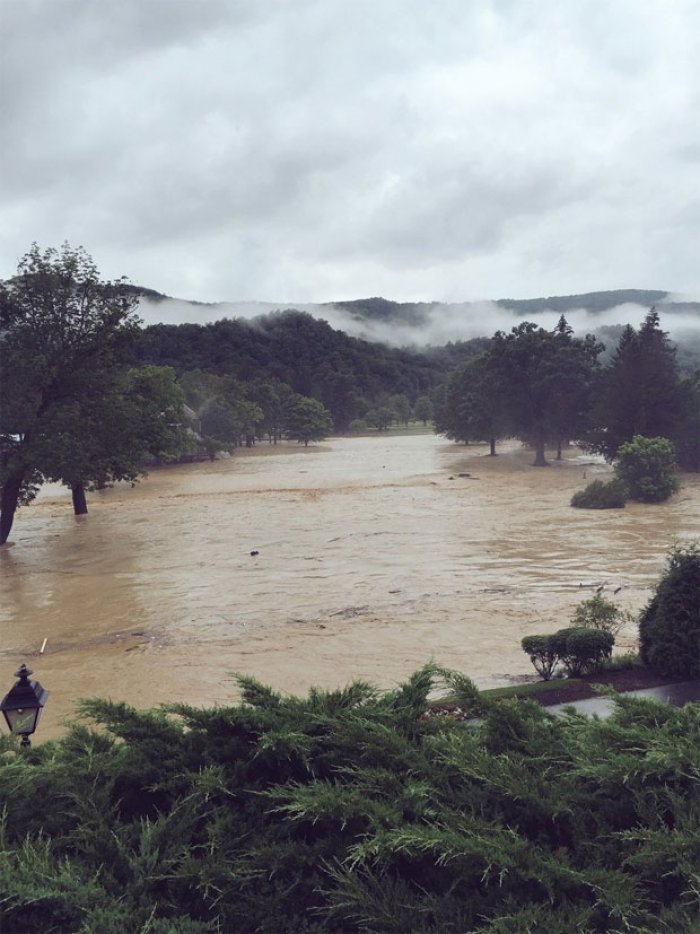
(71, 407)
(545, 380)
(474, 404)
(63, 331)
(640, 391)
(351, 810)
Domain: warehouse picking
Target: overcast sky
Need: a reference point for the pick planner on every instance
(320, 150)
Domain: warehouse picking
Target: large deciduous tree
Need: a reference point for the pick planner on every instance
(308, 420)
(136, 418)
(546, 378)
(474, 404)
(63, 331)
(272, 397)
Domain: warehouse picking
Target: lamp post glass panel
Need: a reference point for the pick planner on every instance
(22, 705)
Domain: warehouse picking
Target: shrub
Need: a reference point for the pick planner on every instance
(647, 466)
(599, 613)
(599, 495)
(349, 811)
(542, 654)
(669, 626)
(582, 650)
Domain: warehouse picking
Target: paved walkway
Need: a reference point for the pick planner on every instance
(676, 694)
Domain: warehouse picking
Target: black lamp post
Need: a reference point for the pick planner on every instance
(22, 705)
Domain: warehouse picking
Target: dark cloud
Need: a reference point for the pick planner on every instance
(315, 149)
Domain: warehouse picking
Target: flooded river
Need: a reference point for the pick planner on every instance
(374, 555)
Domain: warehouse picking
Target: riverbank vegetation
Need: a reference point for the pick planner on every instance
(669, 628)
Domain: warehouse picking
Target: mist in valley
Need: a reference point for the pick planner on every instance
(434, 324)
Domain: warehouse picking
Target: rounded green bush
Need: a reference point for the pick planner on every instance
(542, 654)
(582, 650)
(599, 495)
(647, 468)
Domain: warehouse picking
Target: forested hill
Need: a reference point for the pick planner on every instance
(345, 373)
(593, 302)
(420, 324)
(417, 313)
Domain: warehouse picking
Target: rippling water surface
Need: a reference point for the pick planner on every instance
(374, 555)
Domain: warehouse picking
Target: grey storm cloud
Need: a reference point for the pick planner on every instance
(312, 150)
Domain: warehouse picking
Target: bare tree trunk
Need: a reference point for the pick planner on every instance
(559, 449)
(540, 459)
(79, 500)
(492, 443)
(8, 504)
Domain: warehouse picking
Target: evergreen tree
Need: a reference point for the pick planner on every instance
(352, 810)
(640, 392)
(686, 438)
(669, 626)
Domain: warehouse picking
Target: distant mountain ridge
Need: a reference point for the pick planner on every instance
(435, 324)
(417, 313)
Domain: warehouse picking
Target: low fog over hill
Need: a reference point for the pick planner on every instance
(420, 324)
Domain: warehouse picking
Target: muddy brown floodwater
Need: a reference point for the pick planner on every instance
(374, 556)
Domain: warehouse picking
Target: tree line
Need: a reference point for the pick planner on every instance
(89, 397)
(548, 388)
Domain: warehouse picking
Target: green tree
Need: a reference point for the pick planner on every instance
(669, 626)
(402, 407)
(380, 417)
(582, 649)
(357, 425)
(137, 418)
(63, 332)
(273, 398)
(686, 438)
(423, 409)
(547, 380)
(542, 651)
(577, 362)
(599, 613)
(601, 495)
(640, 391)
(646, 466)
(308, 420)
(474, 406)
(227, 416)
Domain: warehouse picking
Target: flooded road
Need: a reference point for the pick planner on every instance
(374, 556)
